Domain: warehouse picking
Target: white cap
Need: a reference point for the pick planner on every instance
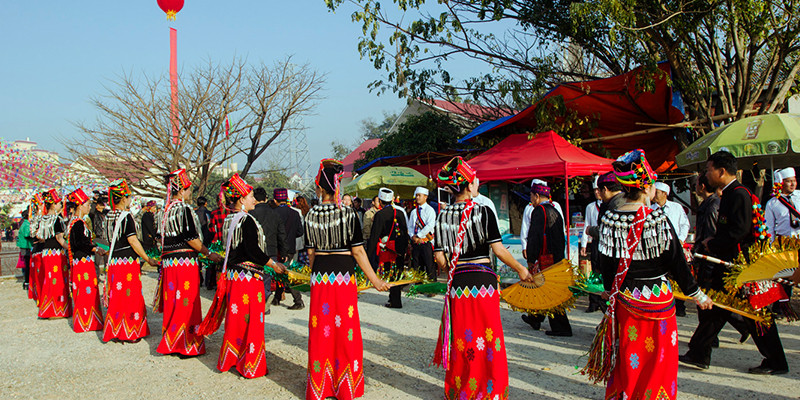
(662, 187)
(538, 182)
(385, 194)
(421, 190)
(594, 182)
(781, 174)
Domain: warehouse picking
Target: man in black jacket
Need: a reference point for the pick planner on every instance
(734, 234)
(274, 232)
(293, 223)
(389, 226)
(149, 231)
(546, 237)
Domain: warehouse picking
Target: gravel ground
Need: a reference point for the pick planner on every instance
(44, 359)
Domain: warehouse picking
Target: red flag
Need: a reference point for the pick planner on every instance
(227, 127)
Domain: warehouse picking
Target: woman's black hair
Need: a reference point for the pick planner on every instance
(71, 207)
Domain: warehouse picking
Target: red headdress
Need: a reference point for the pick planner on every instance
(78, 196)
(455, 173)
(233, 189)
(51, 196)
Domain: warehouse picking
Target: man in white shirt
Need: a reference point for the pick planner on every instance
(526, 217)
(592, 216)
(421, 223)
(781, 212)
(481, 199)
(675, 212)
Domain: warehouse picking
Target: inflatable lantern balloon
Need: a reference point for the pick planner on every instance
(171, 7)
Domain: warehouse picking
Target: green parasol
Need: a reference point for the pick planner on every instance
(402, 180)
(771, 136)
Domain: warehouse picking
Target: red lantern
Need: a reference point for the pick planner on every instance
(171, 7)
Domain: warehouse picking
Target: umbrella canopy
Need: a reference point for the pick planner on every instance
(402, 180)
(770, 136)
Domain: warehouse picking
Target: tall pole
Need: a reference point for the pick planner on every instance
(173, 82)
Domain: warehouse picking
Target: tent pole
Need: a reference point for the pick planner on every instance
(566, 213)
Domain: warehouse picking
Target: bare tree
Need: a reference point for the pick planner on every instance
(277, 100)
(132, 137)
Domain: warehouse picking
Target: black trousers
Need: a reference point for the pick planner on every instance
(279, 289)
(558, 322)
(395, 299)
(422, 259)
(26, 258)
(711, 323)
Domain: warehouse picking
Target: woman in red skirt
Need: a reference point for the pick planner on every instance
(334, 243)
(54, 291)
(178, 290)
(34, 215)
(471, 345)
(636, 348)
(126, 316)
(85, 296)
(240, 297)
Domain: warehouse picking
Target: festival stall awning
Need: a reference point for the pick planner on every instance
(351, 158)
(620, 106)
(518, 158)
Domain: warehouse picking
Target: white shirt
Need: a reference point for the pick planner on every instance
(485, 201)
(592, 215)
(526, 221)
(428, 218)
(778, 218)
(677, 216)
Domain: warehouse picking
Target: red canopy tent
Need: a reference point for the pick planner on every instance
(517, 159)
(351, 158)
(620, 105)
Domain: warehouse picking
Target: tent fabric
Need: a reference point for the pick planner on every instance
(351, 158)
(619, 106)
(517, 158)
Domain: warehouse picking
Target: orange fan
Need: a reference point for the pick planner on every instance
(549, 292)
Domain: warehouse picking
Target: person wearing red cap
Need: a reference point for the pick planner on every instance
(240, 298)
(334, 244)
(54, 296)
(85, 296)
(293, 222)
(34, 215)
(126, 315)
(178, 290)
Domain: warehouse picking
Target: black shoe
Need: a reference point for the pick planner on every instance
(680, 313)
(689, 360)
(297, 306)
(536, 325)
(556, 333)
(389, 305)
(715, 343)
(744, 337)
(764, 370)
(592, 309)
(276, 301)
(24, 286)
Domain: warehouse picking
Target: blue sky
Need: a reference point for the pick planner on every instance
(58, 54)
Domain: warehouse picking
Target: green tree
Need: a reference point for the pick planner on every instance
(339, 150)
(727, 57)
(371, 129)
(430, 131)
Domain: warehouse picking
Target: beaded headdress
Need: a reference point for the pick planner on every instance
(51, 196)
(178, 180)
(456, 172)
(117, 190)
(633, 170)
(233, 189)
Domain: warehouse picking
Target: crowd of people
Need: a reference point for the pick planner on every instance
(635, 238)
